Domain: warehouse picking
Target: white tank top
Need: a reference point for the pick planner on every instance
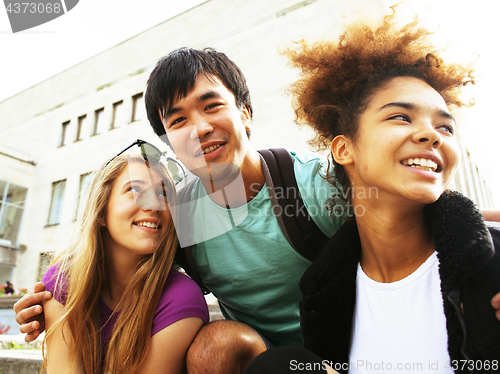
(400, 327)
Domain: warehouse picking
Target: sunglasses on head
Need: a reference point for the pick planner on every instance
(153, 155)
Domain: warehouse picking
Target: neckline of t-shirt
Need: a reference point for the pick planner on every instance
(108, 311)
(199, 189)
(422, 269)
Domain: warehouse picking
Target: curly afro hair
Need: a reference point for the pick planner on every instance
(338, 78)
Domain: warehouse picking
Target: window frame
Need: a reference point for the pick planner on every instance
(98, 120)
(135, 100)
(64, 133)
(81, 122)
(116, 105)
(52, 206)
(5, 205)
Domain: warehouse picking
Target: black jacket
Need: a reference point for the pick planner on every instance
(470, 276)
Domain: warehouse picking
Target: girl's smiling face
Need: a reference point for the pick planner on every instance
(137, 214)
(405, 145)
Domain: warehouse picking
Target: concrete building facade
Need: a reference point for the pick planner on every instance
(53, 135)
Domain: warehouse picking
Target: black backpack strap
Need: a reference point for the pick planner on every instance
(297, 225)
(268, 162)
(183, 256)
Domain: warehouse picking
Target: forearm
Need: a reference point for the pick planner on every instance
(491, 214)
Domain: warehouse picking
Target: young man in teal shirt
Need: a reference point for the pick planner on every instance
(245, 260)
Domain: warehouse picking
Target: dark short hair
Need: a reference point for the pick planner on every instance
(175, 75)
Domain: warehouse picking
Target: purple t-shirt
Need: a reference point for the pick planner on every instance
(181, 298)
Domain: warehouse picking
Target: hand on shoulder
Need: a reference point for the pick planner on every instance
(29, 312)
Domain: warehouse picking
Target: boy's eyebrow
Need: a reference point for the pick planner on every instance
(207, 95)
(172, 111)
(410, 106)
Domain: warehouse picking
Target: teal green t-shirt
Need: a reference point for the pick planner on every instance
(251, 268)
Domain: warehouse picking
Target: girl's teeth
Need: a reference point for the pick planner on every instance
(148, 224)
(421, 163)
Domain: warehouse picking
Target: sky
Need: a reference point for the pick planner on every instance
(93, 26)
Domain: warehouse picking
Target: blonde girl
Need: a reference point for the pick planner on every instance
(117, 306)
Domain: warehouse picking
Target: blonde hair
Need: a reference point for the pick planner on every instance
(83, 274)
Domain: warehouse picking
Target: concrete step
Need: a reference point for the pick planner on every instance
(26, 358)
(20, 361)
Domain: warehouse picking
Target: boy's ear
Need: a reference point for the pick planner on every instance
(340, 150)
(245, 117)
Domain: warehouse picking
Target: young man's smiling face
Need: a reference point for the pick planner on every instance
(207, 130)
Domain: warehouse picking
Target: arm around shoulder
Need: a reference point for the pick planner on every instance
(491, 214)
(495, 234)
(29, 313)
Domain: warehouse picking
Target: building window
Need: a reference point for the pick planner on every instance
(117, 115)
(43, 264)
(81, 125)
(56, 202)
(99, 121)
(137, 107)
(85, 182)
(64, 135)
(12, 202)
